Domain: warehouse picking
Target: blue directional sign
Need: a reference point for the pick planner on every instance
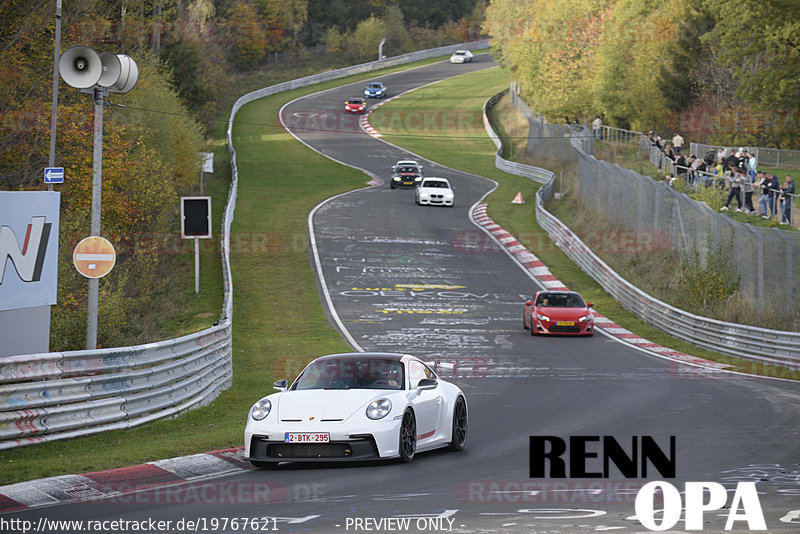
(54, 175)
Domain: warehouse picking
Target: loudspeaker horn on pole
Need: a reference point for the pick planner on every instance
(112, 68)
(128, 77)
(80, 67)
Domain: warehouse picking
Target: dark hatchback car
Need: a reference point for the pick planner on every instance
(405, 176)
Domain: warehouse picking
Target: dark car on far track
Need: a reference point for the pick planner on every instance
(405, 176)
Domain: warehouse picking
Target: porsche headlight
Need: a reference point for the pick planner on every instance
(379, 409)
(542, 317)
(260, 409)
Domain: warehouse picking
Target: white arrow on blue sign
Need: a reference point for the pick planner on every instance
(54, 175)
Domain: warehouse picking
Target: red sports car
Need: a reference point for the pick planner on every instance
(558, 312)
(355, 105)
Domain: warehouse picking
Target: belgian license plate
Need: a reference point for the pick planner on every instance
(307, 437)
(565, 323)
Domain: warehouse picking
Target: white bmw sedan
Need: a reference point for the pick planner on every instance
(435, 192)
(356, 406)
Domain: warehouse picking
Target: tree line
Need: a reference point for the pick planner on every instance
(722, 71)
(187, 51)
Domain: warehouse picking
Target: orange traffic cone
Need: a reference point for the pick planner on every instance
(518, 199)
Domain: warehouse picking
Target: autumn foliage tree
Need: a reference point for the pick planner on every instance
(724, 71)
(150, 157)
(550, 48)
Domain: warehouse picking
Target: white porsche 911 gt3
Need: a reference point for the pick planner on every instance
(356, 406)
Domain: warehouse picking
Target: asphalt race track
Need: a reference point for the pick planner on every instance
(427, 281)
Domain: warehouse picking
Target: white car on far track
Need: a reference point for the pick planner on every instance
(435, 192)
(461, 56)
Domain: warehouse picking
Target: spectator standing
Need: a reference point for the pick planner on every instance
(731, 162)
(747, 188)
(681, 166)
(741, 161)
(788, 198)
(774, 188)
(752, 166)
(721, 153)
(691, 164)
(719, 169)
(677, 142)
(761, 185)
(734, 190)
(597, 126)
(701, 171)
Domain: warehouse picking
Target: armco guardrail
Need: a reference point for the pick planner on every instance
(749, 342)
(61, 395)
(512, 167)
(58, 395)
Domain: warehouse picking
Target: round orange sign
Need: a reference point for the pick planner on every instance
(94, 257)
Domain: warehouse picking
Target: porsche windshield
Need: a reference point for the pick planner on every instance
(352, 373)
(560, 300)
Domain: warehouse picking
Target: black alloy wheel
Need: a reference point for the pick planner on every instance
(408, 437)
(459, 439)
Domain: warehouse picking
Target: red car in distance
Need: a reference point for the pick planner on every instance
(558, 312)
(355, 105)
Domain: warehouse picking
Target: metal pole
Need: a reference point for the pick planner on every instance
(380, 48)
(54, 112)
(97, 181)
(197, 265)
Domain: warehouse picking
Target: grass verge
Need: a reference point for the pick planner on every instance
(462, 148)
(279, 323)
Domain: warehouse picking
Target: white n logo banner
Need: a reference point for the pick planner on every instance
(28, 248)
(30, 259)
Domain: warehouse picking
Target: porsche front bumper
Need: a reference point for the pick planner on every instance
(360, 441)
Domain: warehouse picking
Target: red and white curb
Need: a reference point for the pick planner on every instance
(543, 275)
(121, 482)
(365, 125)
(367, 128)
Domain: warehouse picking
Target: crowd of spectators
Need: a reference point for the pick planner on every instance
(735, 171)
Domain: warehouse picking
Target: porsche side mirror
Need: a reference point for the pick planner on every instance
(529, 303)
(427, 383)
(281, 385)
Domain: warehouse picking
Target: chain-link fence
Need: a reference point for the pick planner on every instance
(765, 260)
(545, 140)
